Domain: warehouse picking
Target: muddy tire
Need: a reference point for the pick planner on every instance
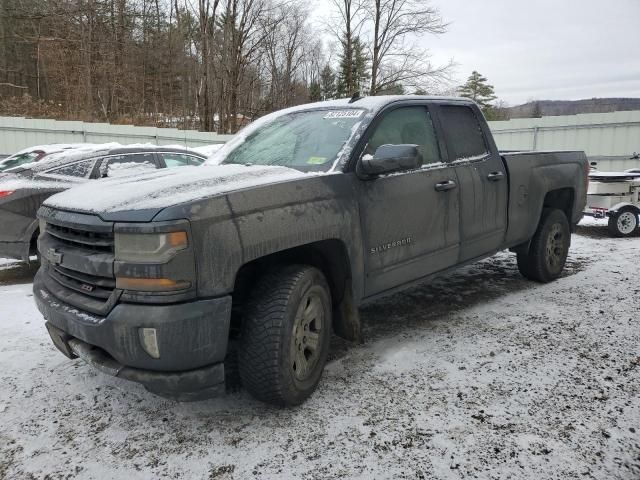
(623, 223)
(549, 248)
(285, 335)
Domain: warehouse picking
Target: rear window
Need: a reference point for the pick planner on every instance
(464, 134)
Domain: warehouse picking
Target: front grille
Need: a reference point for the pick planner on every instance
(94, 241)
(91, 285)
(78, 256)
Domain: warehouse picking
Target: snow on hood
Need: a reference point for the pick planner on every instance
(167, 187)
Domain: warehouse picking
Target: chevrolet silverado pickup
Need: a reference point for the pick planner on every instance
(170, 277)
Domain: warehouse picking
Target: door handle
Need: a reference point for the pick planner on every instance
(495, 176)
(444, 186)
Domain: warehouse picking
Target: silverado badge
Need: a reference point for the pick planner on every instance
(387, 246)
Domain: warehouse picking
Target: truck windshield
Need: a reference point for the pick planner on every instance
(306, 140)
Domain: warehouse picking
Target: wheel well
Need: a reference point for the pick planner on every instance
(561, 199)
(33, 244)
(329, 256)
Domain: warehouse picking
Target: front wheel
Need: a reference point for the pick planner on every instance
(624, 222)
(285, 335)
(549, 248)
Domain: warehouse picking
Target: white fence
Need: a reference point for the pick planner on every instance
(608, 138)
(17, 133)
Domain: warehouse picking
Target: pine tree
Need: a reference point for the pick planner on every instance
(328, 83)
(361, 73)
(315, 92)
(478, 90)
(358, 69)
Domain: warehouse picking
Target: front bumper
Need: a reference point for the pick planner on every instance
(192, 340)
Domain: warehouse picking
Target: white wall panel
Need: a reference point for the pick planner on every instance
(17, 133)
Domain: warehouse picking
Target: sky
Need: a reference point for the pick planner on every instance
(540, 49)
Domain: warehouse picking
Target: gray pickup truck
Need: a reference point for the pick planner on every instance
(168, 278)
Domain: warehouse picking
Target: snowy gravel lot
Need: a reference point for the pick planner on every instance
(478, 375)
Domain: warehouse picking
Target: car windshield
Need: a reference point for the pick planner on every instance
(18, 159)
(305, 140)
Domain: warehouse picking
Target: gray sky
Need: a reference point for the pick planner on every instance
(542, 49)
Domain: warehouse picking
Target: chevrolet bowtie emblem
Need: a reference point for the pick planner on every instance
(54, 256)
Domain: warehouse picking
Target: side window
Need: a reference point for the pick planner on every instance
(463, 132)
(122, 164)
(407, 125)
(180, 160)
(79, 169)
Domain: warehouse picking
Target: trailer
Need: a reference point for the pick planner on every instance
(615, 195)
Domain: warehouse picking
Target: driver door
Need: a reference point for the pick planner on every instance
(409, 219)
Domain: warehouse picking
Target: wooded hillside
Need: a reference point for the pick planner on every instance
(211, 65)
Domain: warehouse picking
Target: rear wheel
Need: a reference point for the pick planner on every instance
(549, 247)
(624, 222)
(285, 335)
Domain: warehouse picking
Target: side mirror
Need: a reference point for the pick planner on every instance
(391, 158)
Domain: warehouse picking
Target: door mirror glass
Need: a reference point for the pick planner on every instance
(391, 158)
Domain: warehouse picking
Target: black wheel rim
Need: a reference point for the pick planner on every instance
(306, 340)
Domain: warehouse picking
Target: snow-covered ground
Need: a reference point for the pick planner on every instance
(481, 374)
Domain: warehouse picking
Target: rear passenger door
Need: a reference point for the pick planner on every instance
(409, 219)
(482, 178)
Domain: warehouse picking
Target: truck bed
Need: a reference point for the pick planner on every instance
(531, 174)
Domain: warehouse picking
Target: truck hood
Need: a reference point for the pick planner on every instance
(141, 197)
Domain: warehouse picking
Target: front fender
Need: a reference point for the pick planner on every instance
(246, 225)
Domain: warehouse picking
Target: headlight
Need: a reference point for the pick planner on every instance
(149, 247)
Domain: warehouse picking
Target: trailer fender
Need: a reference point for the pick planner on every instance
(614, 210)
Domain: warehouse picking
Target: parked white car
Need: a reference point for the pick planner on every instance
(615, 195)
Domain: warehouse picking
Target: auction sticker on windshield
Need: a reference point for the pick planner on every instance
(344, 114)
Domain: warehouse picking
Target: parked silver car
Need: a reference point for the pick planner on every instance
(24, 188)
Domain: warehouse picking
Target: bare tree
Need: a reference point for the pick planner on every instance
(206, 23)
(392, 60)
(212, 64)
(291, 54)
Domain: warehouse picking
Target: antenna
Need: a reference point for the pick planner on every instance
(355, 97)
